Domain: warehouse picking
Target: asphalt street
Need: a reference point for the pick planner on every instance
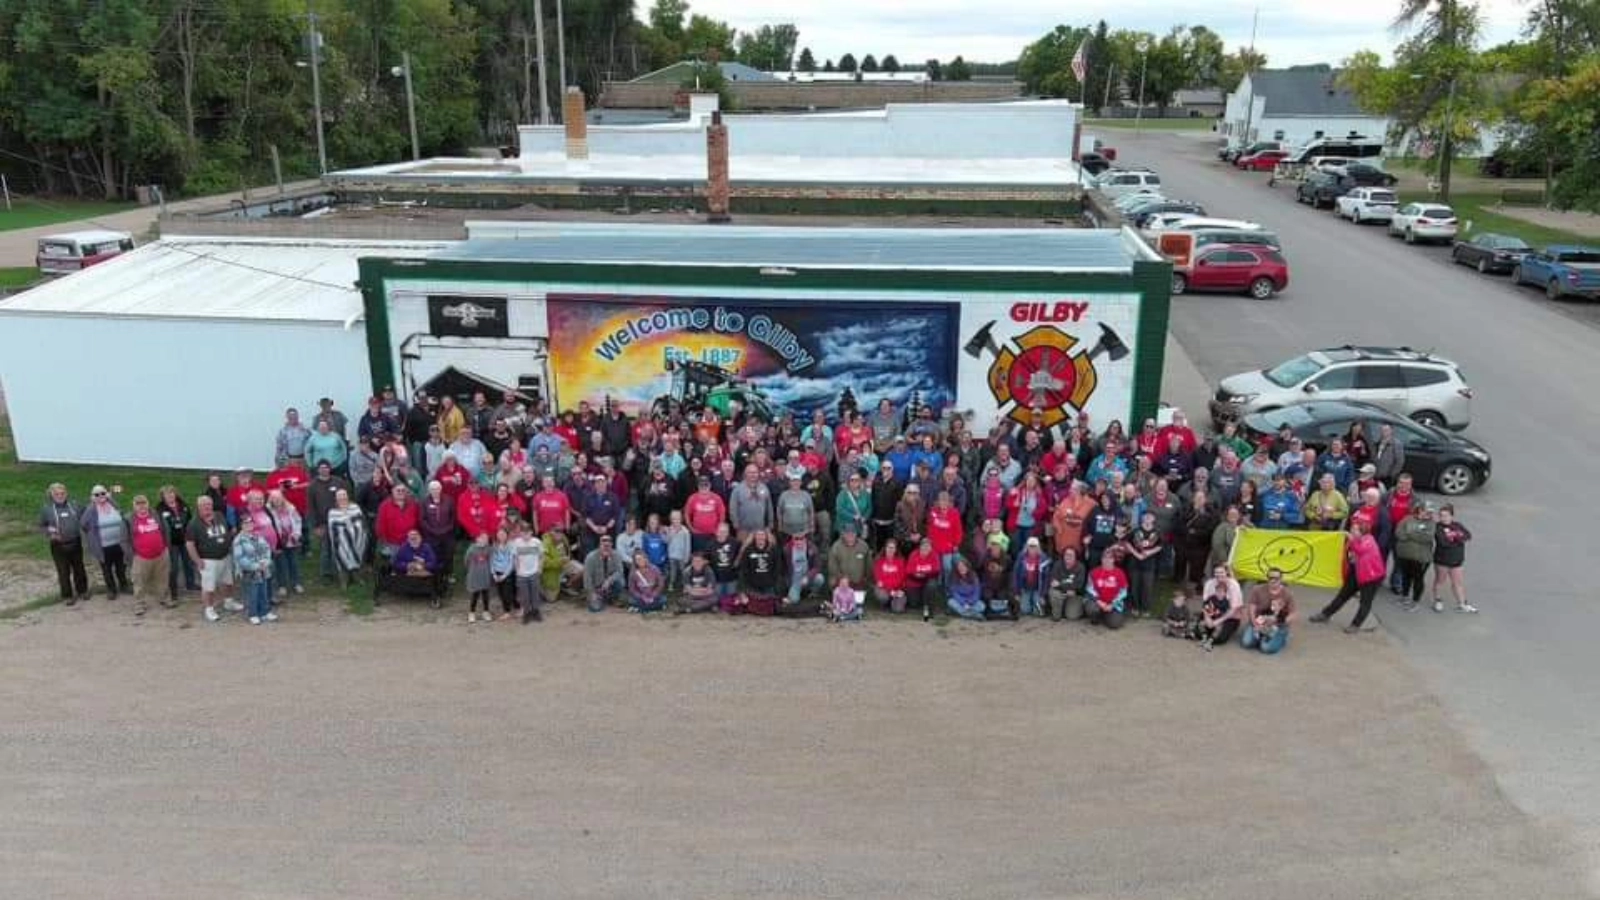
(1521, 677)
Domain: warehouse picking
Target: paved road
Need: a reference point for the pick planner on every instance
(1521, 677)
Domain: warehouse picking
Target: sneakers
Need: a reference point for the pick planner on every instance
(299, 590)
(1319, 617)
(283, 592)
(232, 605)
(1409, 606)
(272, 617)
(1438, 606)
(1466, 608)
(1206, 645)
(472, 618)
(211, 614)
(255, 620)
(69, 601)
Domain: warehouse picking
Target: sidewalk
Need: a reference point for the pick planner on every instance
(17, 248)
(1582, 223)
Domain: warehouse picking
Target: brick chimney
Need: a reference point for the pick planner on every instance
(577, 122)
(717, 170)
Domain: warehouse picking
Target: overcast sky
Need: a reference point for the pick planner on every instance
(1291, 31)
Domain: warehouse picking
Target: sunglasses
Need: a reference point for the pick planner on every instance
(101, 494)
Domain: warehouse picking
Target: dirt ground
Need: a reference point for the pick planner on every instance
(1586, 224)
(412, 755)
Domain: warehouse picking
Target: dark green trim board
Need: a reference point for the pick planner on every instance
(1150, 279)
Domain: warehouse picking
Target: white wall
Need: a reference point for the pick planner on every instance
(172, 393)
(931, 130)
(1299, 131)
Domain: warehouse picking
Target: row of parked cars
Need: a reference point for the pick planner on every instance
(1363, 194)
(1225, 255)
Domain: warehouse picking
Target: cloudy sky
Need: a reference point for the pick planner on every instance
(1291, 31)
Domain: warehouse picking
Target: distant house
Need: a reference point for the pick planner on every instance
(1198, 103)
(679, 72)
(1296, 106)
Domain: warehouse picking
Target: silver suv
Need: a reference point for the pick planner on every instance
(1406, 382)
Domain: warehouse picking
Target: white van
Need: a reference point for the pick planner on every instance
(1205, 223)
(61, 254)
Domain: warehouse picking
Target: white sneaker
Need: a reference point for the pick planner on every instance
(272, 617)
(211, 614)
(232, 605)
(472, 617)
(283, 592)
(255, 620)
(299, 590)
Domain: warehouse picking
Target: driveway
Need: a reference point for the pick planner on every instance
(1524, 676)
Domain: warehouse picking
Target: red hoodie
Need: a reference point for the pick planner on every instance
(453, 478)
(922, 568)
(944, 529)
(890, 573)
(704, 512)
(1400, 505)
(394, 523)
(479, 513)
(292, 473)
(551, 510)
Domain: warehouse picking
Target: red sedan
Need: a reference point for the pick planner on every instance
(1234, 268)
(1264, 161)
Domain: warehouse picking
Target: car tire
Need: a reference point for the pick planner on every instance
(1483, 266)
(1456, 479)
(1553, 289)
(1411, 237)
(1455, 255)
(1430, 418)
(1355, 216)
(1516, 274)
(1180, 284)
(1263, 289)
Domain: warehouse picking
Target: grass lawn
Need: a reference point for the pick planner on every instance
(18, 277)
(1150, 124)
(1479, 210)
(28, 213)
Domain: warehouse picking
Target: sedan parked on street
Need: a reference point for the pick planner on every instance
(1141, 215)
(1436, 459)
(1423, 222)
(1367, 204)
(1321, 189)
(1490, 252)
(1234, 268)
(1264, 161)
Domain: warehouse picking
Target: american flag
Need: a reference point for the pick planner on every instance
(1080, 60)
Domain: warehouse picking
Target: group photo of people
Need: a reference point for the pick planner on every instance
(892, 508)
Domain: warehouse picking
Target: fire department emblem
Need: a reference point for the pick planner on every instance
(1046, 370)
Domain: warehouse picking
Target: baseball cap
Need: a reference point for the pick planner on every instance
(795, 473)
(1369, 469)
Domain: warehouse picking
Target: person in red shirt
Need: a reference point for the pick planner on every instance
(945, 531)
(292, 480)
(150, 562)
(923, 569)
(889, 574)
(1108, 590)
(510, 500)
(397, 516)
(1400, 501)
(552, 508)
(478, 512)
(239, 495)
(453, 477)
(1180, 429)
(564, 429)
(703, 512)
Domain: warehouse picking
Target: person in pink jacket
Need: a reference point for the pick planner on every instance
(1364, 570)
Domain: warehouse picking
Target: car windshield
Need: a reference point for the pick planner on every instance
(1580, 256)
(1436, 212)
(1291, 373)
(1381, 197)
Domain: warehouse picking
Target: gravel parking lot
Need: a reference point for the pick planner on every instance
(411, 755)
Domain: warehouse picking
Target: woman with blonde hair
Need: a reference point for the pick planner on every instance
(1220, 602)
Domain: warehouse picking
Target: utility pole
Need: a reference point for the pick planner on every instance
(1250, 102)
(411, 105)
(1111, 77)
(561, 54)
(544, 74)
(1447, 142)
(314, 45)
(1144, 67)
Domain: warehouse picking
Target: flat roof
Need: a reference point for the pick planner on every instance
(219, 278)
(742, 169)
(936, 249)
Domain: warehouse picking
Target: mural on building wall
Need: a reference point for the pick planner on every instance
(639, 351)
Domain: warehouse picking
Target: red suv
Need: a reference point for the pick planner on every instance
(1234, 268)
(1265, 161)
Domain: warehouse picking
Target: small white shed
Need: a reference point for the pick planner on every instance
(185, 352)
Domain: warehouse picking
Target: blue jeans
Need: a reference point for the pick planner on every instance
(1250, 640)
(327, 554)
(966, 611)
(178, 559)
(286, 569)
(1028, 601)
(948, 563)
(258, 597)
(800, 583)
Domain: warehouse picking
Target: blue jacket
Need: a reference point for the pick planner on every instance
(1017, 573)
(655, 548)
(1281, 509)
(1100, 468)
(902, 460)
(1342, 468)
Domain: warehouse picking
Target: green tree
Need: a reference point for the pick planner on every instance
(934, 69)
(1101, 69)
(1204, 56)
(891, 65)
(958, 70)
(707, 38)
(847, 63)
(666, 17)
(1238, 64)
(769, 48)
(1045, 66)
(869, 63)
(1564, 111)
(808, 63)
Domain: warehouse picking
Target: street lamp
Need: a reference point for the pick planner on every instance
(404, 69)
(1144, 66)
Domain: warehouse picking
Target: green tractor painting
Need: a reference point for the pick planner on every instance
(698, 385)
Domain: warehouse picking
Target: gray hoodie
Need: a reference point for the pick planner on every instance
(750, 509)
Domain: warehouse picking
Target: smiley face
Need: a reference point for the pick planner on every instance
(1291, 555)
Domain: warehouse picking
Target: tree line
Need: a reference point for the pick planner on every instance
(1116, 62)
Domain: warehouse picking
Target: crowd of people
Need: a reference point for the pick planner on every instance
(844, 509)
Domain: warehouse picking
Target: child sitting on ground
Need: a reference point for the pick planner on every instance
(1179, 620)
(846, 605)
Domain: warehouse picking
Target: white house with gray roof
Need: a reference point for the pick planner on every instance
(1296, 106)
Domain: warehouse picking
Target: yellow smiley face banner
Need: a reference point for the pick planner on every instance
(1311, 558)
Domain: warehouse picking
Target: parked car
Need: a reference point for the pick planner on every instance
(1093, 163)
(1367, 204)
(1327, 162)
(1205, 223)
(1143, 213)
(1490, 252)
(1410, 383)
(1321, 189)
(1133, 202)
(1365, 175)
(1263, 161)
(1230, 154)
(1115, 183)
(1423, 222)
(1436, 459)
(1258, 271)
(1252, 237)
(1563, 270)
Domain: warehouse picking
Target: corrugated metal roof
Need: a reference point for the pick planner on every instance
(1304, 92)
(988, 249)
(221, 278)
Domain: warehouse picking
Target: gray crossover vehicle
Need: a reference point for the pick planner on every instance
(1410, 383)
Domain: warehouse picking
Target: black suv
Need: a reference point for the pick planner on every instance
(1322, 189)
